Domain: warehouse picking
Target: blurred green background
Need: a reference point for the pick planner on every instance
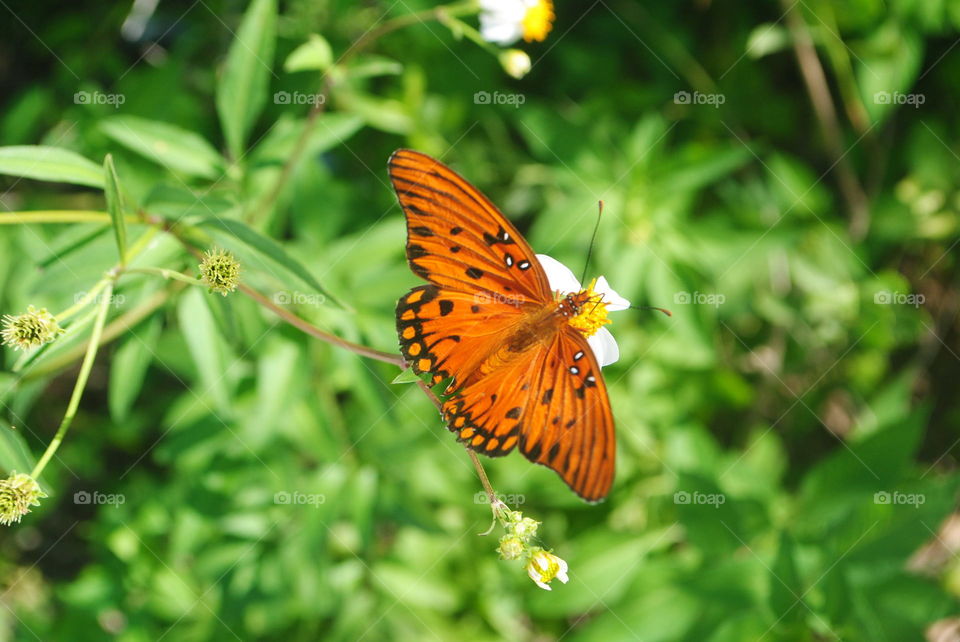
(787, 464)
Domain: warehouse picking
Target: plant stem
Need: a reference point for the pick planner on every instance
(819, 90)
(314, 331)
(167, 274)
(81, 383)
(59, 216)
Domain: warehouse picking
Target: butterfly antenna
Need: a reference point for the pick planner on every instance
(593, 239)
(650, 307)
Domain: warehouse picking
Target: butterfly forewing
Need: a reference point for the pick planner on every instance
(485, 289)
(457, 238)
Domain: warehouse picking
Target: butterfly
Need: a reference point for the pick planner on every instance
(522, 371)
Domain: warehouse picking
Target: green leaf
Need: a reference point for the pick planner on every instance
(244, 84)
(329, 131)
(372, 66)
(115, 206)
(175, 148)
(786, 592)
(314, 54)
(14, 454)
(206, 348)
(129, 367)
(766, 39)
(50, 164)
(407, 376)
(269, 248)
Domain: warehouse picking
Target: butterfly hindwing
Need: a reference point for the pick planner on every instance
(444, 332)
(567, 420)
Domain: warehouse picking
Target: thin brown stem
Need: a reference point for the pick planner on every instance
(314, 331)
(817, 87)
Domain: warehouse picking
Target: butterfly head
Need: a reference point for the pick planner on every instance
(585, 310)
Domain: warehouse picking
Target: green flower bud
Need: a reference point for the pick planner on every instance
(220, 271)
(511, 547)
(17, 494)
(29, 330)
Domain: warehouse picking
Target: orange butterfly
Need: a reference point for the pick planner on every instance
(524, 358)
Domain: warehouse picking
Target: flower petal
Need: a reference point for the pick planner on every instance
(613, 300)
(500, 33)
(604, 347)
(560, 277)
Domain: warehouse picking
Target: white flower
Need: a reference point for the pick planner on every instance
(562, 280)
(505, 21)
(515, 62)
(544, 567)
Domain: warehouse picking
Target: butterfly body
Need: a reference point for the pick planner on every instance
(521, 372)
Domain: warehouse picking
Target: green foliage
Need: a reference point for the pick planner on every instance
(786, 440)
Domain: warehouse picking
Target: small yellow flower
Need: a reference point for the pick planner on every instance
(29, 330)
(17, 494)
(511, 547)
(544, 567)
(220, 271)
(505, 21)
(515, 62)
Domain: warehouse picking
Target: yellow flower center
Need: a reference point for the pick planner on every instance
(593, 312)
(546, 567)
(538, 21)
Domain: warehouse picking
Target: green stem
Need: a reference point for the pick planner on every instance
(58, 216)
(116, 327)
(88, 297)
(167, 274)
(81, 383)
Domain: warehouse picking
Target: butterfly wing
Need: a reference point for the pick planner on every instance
(483, 281)
(553, 404)
(446, 332)
(457, 238)
(483, 276)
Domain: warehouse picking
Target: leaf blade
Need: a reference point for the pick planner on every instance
(53, 164)
(242, 88)
(115, 206)
(268, 248)
(167, 145)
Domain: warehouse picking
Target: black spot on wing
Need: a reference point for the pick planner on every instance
(474, 273)
(446, 307)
